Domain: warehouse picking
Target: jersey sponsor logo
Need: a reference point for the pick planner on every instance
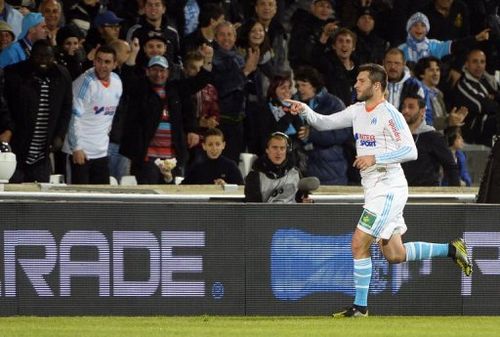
(367, 219)
(394, 129)
(365, 140)
(107, 110)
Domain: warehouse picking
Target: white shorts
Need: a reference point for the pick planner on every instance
(383, 210)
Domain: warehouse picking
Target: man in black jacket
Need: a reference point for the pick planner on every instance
(433, 151)
(39, 97)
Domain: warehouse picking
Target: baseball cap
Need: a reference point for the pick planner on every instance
(158, 61)
(106, 18)
(332, 2)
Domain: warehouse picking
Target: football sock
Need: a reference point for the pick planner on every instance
(362, 276)
(416, 251)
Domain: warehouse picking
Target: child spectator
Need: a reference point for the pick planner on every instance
(456, 144)
(215, 168)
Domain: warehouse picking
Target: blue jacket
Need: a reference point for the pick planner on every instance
(326, 159)
(12, 54)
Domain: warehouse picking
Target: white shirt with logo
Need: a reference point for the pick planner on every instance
(94, 106)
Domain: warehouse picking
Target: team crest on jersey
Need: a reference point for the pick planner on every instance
(367, 219)
(365, 140)
(373, 121)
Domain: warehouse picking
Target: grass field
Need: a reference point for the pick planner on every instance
(209, 326)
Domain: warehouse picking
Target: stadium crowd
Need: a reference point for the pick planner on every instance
(96, 88)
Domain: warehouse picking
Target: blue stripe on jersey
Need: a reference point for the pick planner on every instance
(165, 126)
(382, 220)
(85, 84)
(396, 115)
(400, 153)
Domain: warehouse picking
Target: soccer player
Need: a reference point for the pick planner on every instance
(383, 141)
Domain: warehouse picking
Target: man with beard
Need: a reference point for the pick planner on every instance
(38, 94)
(383, 142)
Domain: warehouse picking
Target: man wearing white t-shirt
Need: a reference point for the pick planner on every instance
(96, 94)
(383, 141)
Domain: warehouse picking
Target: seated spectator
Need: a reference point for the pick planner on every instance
(214, 168)
(428, 71)
(326, 159)
(273, 178)
(6, 35)
(456, 143)
(480, 93)
(34, 29)
(433, 151)
(418, 45)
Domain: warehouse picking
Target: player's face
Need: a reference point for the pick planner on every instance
(284, 91)
(276, 150)
(104, 64)
(213, 146)
(476, 64)
(411, 111)
(363, 86)
(432, 75)
(394, 66)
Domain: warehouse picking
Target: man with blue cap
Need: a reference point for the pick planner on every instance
(34, 29)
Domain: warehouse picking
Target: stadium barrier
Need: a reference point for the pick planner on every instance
(134, 258)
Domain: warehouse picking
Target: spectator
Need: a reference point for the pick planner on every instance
(210, 16)
(400, 82)
(370, 47)
(13, 18)
(307, 28)
(155, 128)
(273, 178)
(69, 49)
(34, 29)
(265, 13)
(428, 71)
(479, 92)
(155, 19)
(214, 168)
(337, 63)
(6, 35)
(83, 13)
(52, 12)
(106, 28)
(418, 45)
(456, 143)
(433, 151)
(449, 19)
(96, 94)
(274, 118)
(324, 149)
(38, 93)
(230, 71)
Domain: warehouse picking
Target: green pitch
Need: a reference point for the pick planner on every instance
(208, 326)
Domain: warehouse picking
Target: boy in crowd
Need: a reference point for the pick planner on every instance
(215, 168)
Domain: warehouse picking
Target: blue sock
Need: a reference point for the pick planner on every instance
(362, 276)
(416, 251)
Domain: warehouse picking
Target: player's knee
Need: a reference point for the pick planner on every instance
(395, 258)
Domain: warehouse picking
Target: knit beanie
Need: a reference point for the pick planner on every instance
(30, 20)
(66, 32)
(418, 17)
